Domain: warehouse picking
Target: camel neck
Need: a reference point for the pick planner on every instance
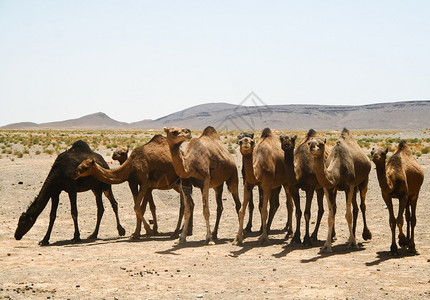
(289, 164)
(114, 176)
(382, 177)
(249, 168)
(322, 174)
(178, 160)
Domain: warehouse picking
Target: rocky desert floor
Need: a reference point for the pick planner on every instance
(114, 267)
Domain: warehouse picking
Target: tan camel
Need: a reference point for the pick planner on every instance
(208, 164)
(121, 155)
(246, 145)
(270, 172)
(345, 169)
(300, 163)
(149, 166)
(401, 178)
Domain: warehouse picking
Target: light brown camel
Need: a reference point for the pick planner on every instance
(401, 178)
(270, 172)
(300, 163)
(149, 166)
(208, 164)
(121, 155)
(246, 145)
(345, 169)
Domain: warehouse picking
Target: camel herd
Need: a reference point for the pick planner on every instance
(271, 164)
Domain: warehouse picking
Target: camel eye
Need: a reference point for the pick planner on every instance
(175, 132)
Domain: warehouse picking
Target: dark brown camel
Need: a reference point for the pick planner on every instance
(400, 178)
(59, 179)
(300, 164)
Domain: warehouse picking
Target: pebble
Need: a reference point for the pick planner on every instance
(199, 296)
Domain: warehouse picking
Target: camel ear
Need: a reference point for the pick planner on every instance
(281, 138)
(295, 137)
(252, 135)
(386, 150)
(325, 140)
(166, 130)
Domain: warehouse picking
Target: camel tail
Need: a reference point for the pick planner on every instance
(266, 133)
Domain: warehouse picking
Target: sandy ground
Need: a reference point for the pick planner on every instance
(114, 267)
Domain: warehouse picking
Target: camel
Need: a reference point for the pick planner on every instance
(400, 178)
(60, 179)
(270, 172)
(207, 164)
(300, 164)
(148, 166)
(246, 145)
(121, 156)
(346, 169)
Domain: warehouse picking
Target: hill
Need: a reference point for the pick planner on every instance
(224, 116)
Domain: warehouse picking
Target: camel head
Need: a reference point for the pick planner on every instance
(177, 135)
(120, 155)
(288, 142)
(379, 155)
(317, 146)
(246, 142)
(25, 222)
(84, 169)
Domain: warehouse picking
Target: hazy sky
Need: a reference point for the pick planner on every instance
(135, 60)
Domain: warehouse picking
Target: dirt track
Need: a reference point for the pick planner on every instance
(115, 267)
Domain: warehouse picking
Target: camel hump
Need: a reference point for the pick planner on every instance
(403, 146)
(159, 139)
(80, 146)
(345, 133)
(311, 133)
(210, 131)
(266, 133)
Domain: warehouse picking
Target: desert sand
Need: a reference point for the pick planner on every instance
(114, 267)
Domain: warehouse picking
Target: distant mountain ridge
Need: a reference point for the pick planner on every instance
(224, 116)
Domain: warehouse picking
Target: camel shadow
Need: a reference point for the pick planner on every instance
(336, 250)
(192, 244)
(386, 255)
(248, 245)
(295, 246)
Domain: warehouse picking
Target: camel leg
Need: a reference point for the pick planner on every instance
(219, 209)
(74, 210)
(134, 188)
(206, 212)
(181, 215)
(188, 211)
(352, 243)
(320, 201)
(408, 220)
(309, 196)
(108, 193)
(413, 203)
(289, 203)
(355, 210)
(403, 201)
(52, 216)
(294, 193)
(264, 238)
(138, 210)
(148, 199)
(367, 235)
(100, 210)
(331, 199)
(392, 221)
(233, 187)
(247, 195)
(248, 227)
(274, 205)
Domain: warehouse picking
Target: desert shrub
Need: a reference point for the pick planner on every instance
(37, 152)
(425, 150)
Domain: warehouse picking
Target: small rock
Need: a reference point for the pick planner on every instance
(199, 296)
(78, 285)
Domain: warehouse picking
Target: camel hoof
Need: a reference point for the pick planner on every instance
(238, 241)
(181, 241)
(76, 240)
(307, 241)
(264, 240)
(92, 237)
(135, 237)
(44, 243)
(121, 231)
(367, 235)
(210, 242)
(326, 248)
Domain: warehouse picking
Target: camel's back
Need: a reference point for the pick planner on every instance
(155, 153)
(362, 164)
(269, 161)
(413, 171)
